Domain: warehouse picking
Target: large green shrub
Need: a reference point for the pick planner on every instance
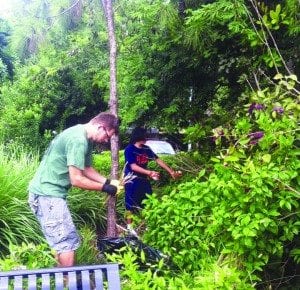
(102, 162)
(247, 208)
(138, 274)
(28, 256)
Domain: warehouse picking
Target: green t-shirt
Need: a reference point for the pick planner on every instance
(71, 147)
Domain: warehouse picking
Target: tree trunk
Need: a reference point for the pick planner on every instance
(113, 106)
(181, 8)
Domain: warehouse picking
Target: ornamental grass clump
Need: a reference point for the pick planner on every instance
(88, 253)
(88, 208)
(17, 223)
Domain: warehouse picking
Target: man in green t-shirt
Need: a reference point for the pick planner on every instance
(68, 162)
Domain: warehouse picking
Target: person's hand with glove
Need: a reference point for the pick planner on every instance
(116, 183)
(109, 188)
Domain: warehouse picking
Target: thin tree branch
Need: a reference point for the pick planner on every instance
(294, 91)
(63, 12)
(272, 38)
(265, 41)
(104, 6)
(289, 187)
(256, 81)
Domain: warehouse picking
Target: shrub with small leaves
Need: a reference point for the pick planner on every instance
(27, 256)
(247, 207)
(217, 274)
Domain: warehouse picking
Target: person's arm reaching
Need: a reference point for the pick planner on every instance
(141, 170)
(174, 174)
(91, 173)
(79, 179)
(163, 165)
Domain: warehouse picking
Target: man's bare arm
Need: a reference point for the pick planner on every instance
(93, 174)
(79, 179)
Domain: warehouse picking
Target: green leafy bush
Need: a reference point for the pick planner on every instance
(28, 256)
(137, 276)
(102, 162)
(247, 208)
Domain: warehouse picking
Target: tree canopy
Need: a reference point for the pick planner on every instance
(174, 70)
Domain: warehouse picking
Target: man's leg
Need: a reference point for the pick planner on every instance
(129, 203)
(66, 259)
(59, 229)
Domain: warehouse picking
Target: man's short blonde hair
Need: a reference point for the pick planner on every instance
(110, 121)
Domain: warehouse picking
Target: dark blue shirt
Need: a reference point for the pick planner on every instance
(139, 156)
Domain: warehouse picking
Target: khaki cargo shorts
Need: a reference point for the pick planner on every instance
(56, 222)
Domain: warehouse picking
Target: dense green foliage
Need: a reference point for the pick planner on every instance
(16, 222)
(27, 255)
(173, 72)
(214, 275)
(246, 210)
(202, 68)
(35, 256)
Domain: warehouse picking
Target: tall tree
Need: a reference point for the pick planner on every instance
(5, 59)
(113, 105)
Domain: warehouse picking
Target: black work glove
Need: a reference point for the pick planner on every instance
(110, 189)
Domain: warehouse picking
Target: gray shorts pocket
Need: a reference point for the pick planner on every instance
(33, 202)
(53, 231)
